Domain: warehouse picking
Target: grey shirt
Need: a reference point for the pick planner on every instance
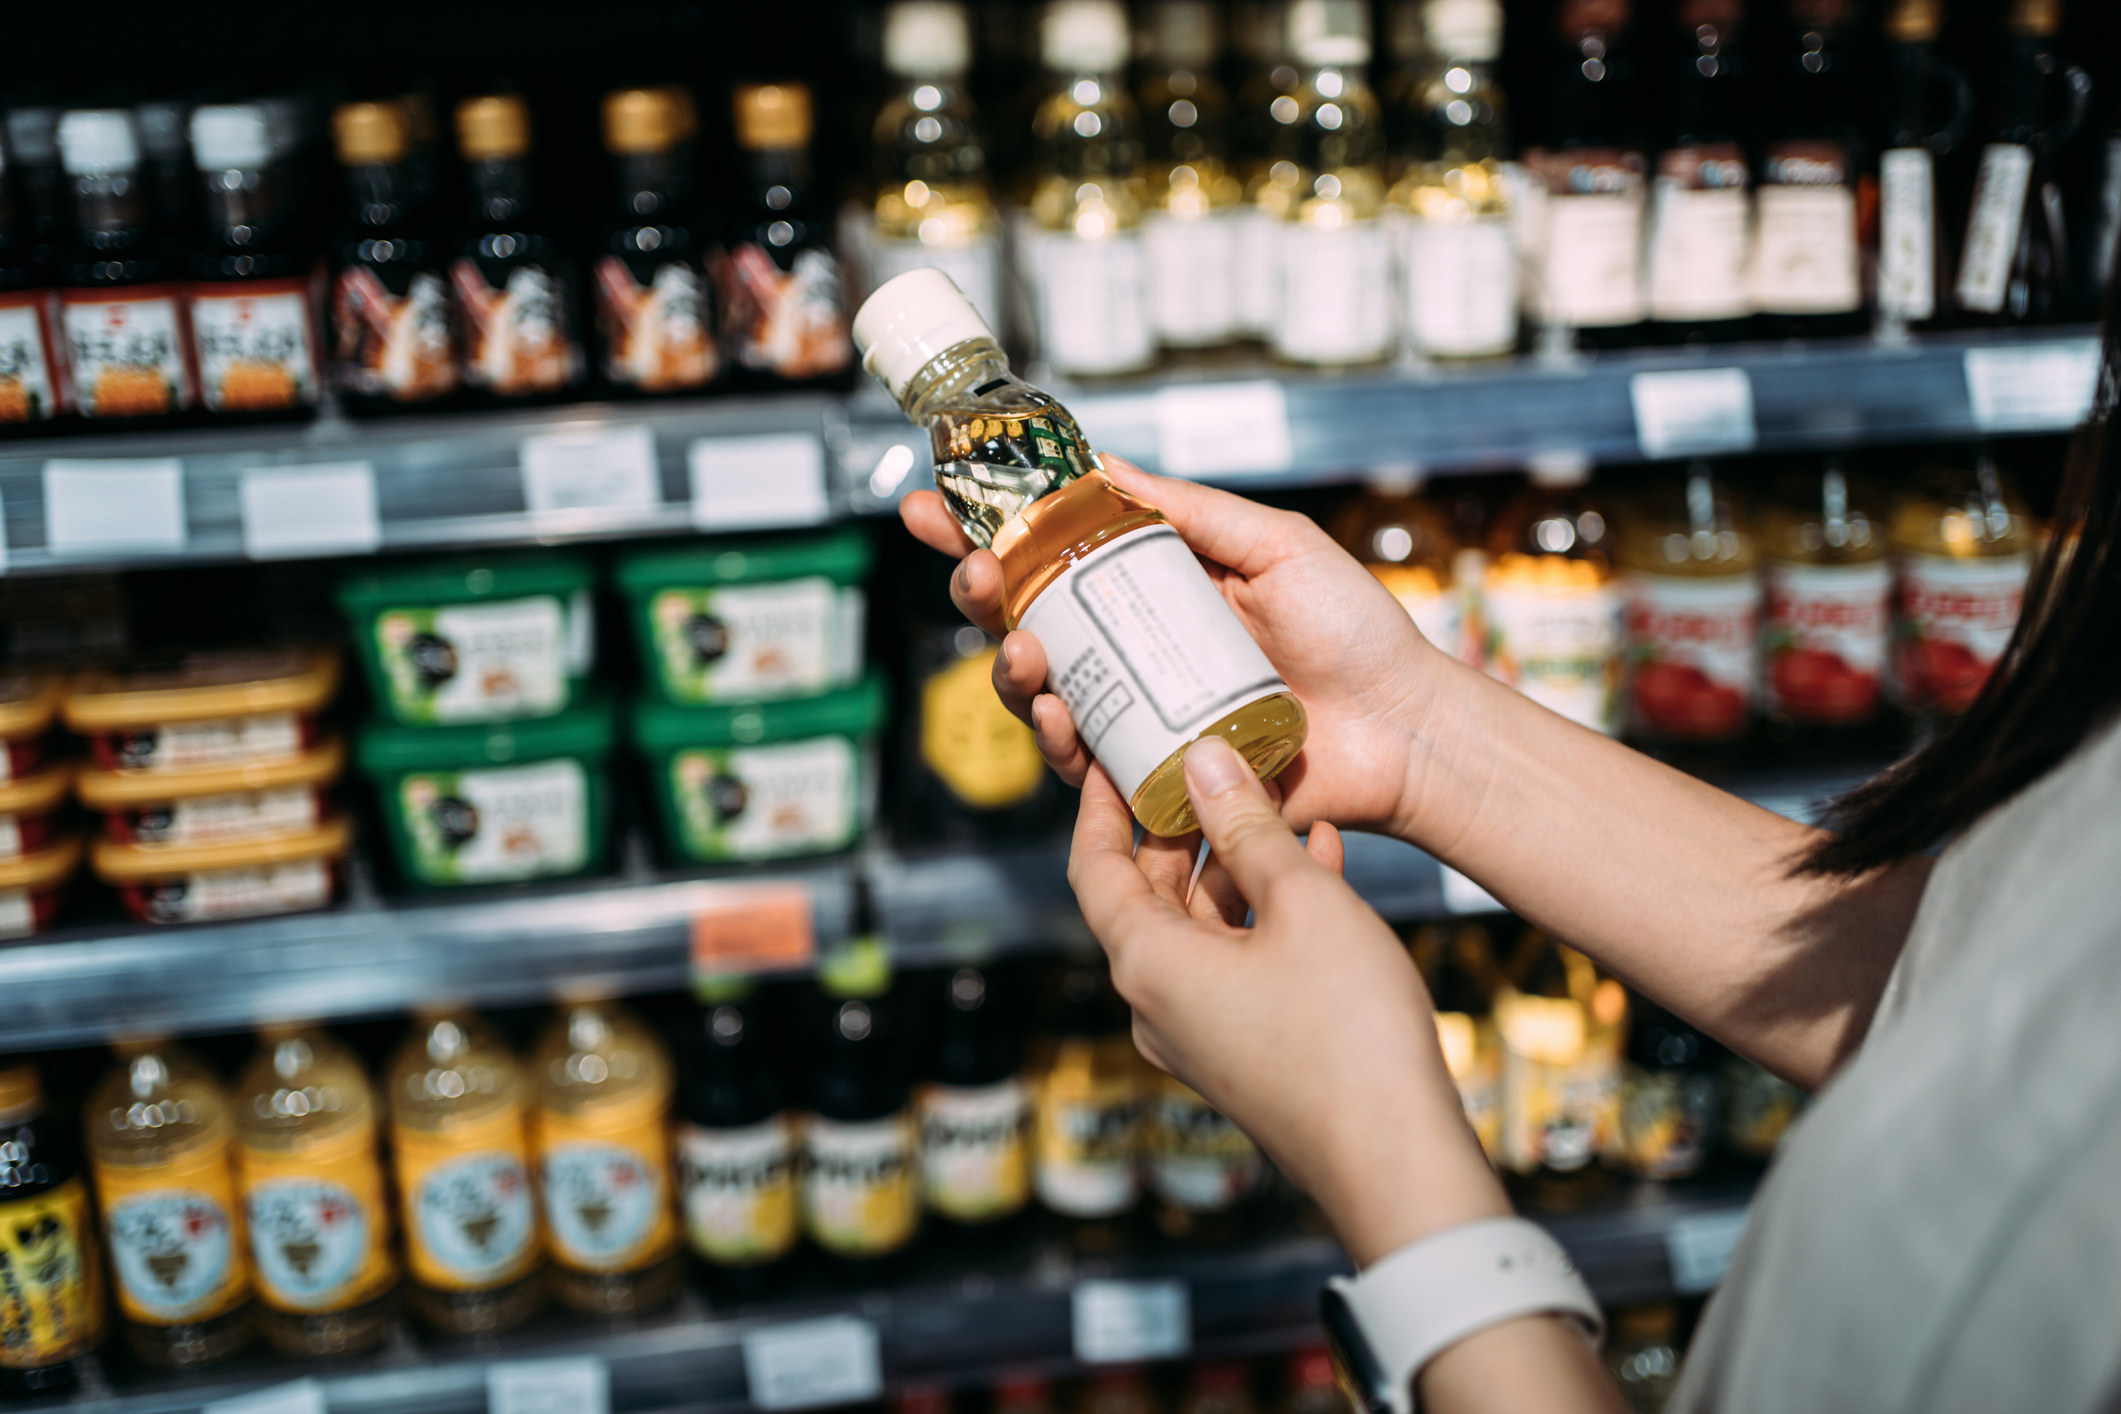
(1943, 1229)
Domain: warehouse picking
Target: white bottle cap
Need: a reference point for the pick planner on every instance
(1465, 29)
(1558, 468)
(231, 137)
(927, 39)
(94, 142)
(1084, 36)
(32, 133)
(1330, 33)
(1183, 32)
(908, 321)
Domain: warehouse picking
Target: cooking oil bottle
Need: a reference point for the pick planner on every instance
(1963, 548)
(1207, 1175)
(1189, 234)
(1459, 969)
(1693, 614)
(1146, 654)
(1408, 543)
(458, 1130)
(51, 1283)
(1828, 620)
(1262, 132)
(313, 1195)
(1562, 1028)
(1552, 604)
(1089, 1096)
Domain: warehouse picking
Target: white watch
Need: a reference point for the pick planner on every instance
(1385, 1324)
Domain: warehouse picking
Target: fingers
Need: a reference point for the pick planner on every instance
(1327, 847)
(1215, 897)
(976, 589)
(1020, 674)
(1057, 739)
(1168, 864)
(1116, 898)
(1227, 529)
(1241, 823)
(932, 524)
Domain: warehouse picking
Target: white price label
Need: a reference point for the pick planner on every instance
(757, 483)
(590, 468)
(581, 1385)
(1224, 429)
(833, 1360)
(294, 511)
(1462, 895)
(1700, 1249)
(94, 507)
(1124, 1321)
(301, 1397)
(2032, 388)
(1693, 412)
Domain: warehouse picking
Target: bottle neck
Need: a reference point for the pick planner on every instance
(110, 211)
(500, 192)
(382, 193)
(244, 207)
(1593, 97)
(955, 371)
(1706, 81)
(649, 186)
(780, 176)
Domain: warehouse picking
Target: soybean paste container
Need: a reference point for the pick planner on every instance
(474, 640)
(743, 621)
(495, 804)
(764, 780)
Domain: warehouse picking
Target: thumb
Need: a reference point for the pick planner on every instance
(1243, 828)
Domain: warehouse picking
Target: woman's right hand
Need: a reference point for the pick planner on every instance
(1363, 672)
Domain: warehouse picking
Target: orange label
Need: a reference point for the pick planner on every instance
(743, 928)
(471, 1219)
(176, 1236)
(606, 1178)
(319, 1229)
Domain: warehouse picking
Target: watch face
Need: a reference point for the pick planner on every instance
(1352, 1360)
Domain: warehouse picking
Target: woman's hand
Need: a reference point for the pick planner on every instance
(1311, 1029)
(1346, 647)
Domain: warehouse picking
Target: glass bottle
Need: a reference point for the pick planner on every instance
(1335, 256)
(1807, 271)
(1642, 1354)
(1117, 1391)
(1700, 211)
(1693, 624)
(736, 1139)
(394, 340)
(2015, 265)
(1828, 620)
(1189, 230)
(1668, 1097)
(1219, 1387)
(784, 303)
(975, 1110)
(1914, 260)
(29, 350)
(1312, 1387)
(166, 165)
(1452, 201)
(1017, 475)
(1551, 603)
(1758, 1109)
(1402, 82)
(654, 311)
(121, 311)
(1088, 1110)
(861, 1183)
(33, 150)
(1409, 544)
(1262, 133)
(1962, 550)
(53, 1312)
(312, 1179)
(933, 208)
(514, 285)
(459, 1133)
(1207, 1175)
(1459, 970)
(1023, 1395)
(601, 1131)
(161, 1141)
(253, 320)
(1562, 1029)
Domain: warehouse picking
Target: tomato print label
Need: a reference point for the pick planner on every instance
(602, 1201)
(255, 350)
(472, 1217)
(1692, 669)
(126, 351)
(171, 1251)
(310, 1239)
(1956, 616)
(1824, 641)
(28, 392)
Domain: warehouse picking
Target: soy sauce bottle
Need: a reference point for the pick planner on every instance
(51, 1279)
(861, 1148)
(783, 293)
(737, 1141)
(975, 1109)
(394, 337)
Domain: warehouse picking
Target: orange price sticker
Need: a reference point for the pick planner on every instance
(742, 928)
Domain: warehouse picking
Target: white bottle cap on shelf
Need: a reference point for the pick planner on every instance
(1084, 36)
(911, 319)
(1183, 32)
(1330, 33)
(927, 39)
(96, 141)
(32, 134)
(1465, 29)
(230, 137)
(1559, 467)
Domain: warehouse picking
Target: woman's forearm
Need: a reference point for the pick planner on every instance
(1683, 890)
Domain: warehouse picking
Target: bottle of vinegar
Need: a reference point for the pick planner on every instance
(1189, 234)
(1700, 211)
(1931, 105)
(1146, 654)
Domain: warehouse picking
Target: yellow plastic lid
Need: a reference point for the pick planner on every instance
(115, 790)
(27, 704)
(41, 869)
(35, 793)
(120, 863)
(204, 686)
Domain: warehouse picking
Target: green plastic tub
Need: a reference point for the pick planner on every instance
(745, 621)
(496, 804)
(487, 640)
(764, 780)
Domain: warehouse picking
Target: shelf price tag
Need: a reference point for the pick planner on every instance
(290, 512)
(1124, 1321)
(98, 506)
(758, 483)
(1462, 895)
(2033, 387)
(590, 468)
(1223, 429)
(301, 1397)
(1693, 412)
(581, 1385)
(1700, 1249)
(744, 928)
(805, 1364)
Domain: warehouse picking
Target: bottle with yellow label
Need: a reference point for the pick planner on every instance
(1087, 1126)
(1562, 1029)
(312, 1182)
(51, 1283)
(1408, 543)
(861, 1145)
(601, 1132)
(1208, 1176)
(161, 1145)
(473, 1252)
(1459, 968)
(1552, 605)
(736, 1141)
(975, 1110)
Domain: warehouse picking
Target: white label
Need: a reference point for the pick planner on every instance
(241, 893)
(810, 1363)
(1199, 1160)
(1223, 429)
(254, 349)
(975, 1160)
(1699, 243)
(1336, 304)
(762, 802)
(504, 660)
(1462, 895)
(242, 815)
(26, 390)
(1120, 1322)
(1956, 616)
(1258, 277)
(309, 1237)
(292, 512)
(579, 1384)
(1824, 639)
(1145, 652)
(590, 469)
(1693, 412)
(170, 1249)
(860, 1186)
(600, 1200)
(18, 913)
(483, 827)
(757, 483)
(2032, 387)
(1992, 231)
(738, 1185)
(751, 640)
(1559, 647)
(974, 267)
(1693, 653)
(1907, 233)
(97, 507)
(301, 1397)
(10, 837)
(1804, 258)
(1700, 1249)
(475, 1215)
(1593, 267)
(181, 746)
(1092, 302)
(125, 357)
(1461, 284)
(1192, 275)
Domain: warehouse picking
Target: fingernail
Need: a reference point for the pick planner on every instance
(964, 586)
(1213, 767)
(1002, 655)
